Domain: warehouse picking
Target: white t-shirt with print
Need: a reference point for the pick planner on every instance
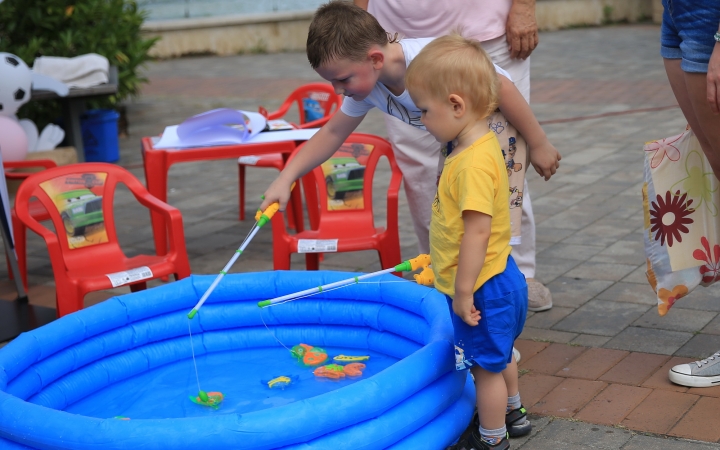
(400, 106)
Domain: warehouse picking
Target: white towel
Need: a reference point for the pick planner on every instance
(81, 71)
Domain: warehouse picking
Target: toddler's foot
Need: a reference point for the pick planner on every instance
(476, 442)
(517, 423)
(539, 297)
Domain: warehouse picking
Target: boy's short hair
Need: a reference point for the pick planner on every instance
(456, 65)
(341, 30)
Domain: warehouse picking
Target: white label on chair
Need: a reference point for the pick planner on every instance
(249, 160)
(317, 245)
(122, 278)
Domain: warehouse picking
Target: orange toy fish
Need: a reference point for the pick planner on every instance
(309, 355)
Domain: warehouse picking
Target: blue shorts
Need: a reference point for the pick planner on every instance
(688, 27)
(502, 302)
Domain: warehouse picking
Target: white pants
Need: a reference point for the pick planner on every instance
(417, 153)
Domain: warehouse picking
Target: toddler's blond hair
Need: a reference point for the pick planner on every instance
(456, 65)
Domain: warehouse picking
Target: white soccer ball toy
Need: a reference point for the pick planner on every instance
(15, 84)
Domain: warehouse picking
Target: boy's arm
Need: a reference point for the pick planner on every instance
(543, 155)
(316, 151)
(473, 249)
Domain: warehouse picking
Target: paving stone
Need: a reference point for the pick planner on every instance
(623, 252)
(713, 391)
(704, 299)
(601, 233)
(601, 271)
(642, 442)
(565, 434)
(590, 340)
(713, 327)
(574, 292)
(592, 364)
(570, 251)
(567, 398)
(553, 358)
(649, 340)
(700, 346)
(549, 269)
(677, 319)
(700, 422)
(613, 404)
(601, 317)
(660, 411)
(529, 349)
(540, 334)
(534, 386)
(638, 276)
(634, 369)
(630, 293)
(551, 234)
(546, 319)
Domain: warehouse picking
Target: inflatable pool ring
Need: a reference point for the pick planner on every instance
(309, 355)
(349, 359)
(211, 399)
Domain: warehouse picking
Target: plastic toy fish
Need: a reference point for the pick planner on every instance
(346, 358)
(309, 355)
(336, 371)
(279, 382)
(211, 399)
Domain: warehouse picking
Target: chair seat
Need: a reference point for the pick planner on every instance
(345, 243)
(270, 160)
(95, 278)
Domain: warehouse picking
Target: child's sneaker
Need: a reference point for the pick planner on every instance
(475, 442)
(517, 423)
(703, 373)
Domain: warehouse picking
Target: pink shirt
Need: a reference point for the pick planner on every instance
(478, 19)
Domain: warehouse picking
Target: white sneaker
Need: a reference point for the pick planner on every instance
(703, 373)
(539, 297)
(516, 354)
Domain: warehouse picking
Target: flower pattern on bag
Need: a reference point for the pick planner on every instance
(663, 147)
(698, 182)
(668, 298)
(669, 217)
(711, 270)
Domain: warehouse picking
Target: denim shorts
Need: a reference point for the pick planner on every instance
(502, 302)
(688, 27)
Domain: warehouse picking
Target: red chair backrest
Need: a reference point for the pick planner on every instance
(320, 96)
(79, 200)
(352, 211)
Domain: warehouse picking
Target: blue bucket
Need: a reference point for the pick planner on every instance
(100, 135)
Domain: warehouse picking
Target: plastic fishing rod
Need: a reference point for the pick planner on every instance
(405, 266)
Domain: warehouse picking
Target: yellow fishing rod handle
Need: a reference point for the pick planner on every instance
(263, 217)
(413, 264)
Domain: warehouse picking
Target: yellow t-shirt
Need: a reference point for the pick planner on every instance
(473, 180)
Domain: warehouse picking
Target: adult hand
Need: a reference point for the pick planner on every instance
(545, 159)
(464, 307)
(521, 29)
(713, 80)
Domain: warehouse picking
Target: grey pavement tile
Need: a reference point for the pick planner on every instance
(575, 217)
(590, 340)
(551, 234)
(700, 346)
(566, 434)
(538, 425)
(630, 293)
(543, 335)
(573, 292)
(677, 319)
(625, 251)
(546, 319)
(601, 271)
(602, 233)
(649, 340)
(713, 327)
(638, 276)
(702, 298)
(553, 203)
(645, 442)
(548, 269)
(601, 317)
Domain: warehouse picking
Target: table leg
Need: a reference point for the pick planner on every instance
(156, 175)
(72, 110)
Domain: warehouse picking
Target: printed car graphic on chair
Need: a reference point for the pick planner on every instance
(82, 209)
(343, 175)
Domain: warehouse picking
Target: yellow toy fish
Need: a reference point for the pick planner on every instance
(345, 358)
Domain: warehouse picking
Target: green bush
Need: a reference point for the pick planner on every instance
(32, 28)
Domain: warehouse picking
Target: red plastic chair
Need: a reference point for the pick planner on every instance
(37, 210)
(79, 201)
(324, 97)
(336, 182)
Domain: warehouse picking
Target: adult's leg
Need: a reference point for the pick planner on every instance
(417, 154)
(690, 91)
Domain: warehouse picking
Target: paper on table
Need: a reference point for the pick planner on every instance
(225, 127)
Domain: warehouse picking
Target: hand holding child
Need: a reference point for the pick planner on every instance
(464, 307)
(545, 158)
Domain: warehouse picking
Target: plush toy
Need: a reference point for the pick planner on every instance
(13, 141)
(16, 82)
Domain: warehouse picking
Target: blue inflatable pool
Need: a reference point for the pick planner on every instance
(68, 384)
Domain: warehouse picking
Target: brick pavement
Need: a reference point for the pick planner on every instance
(595, 365)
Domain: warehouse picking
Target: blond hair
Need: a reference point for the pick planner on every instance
(456, 65)
(341, 30)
